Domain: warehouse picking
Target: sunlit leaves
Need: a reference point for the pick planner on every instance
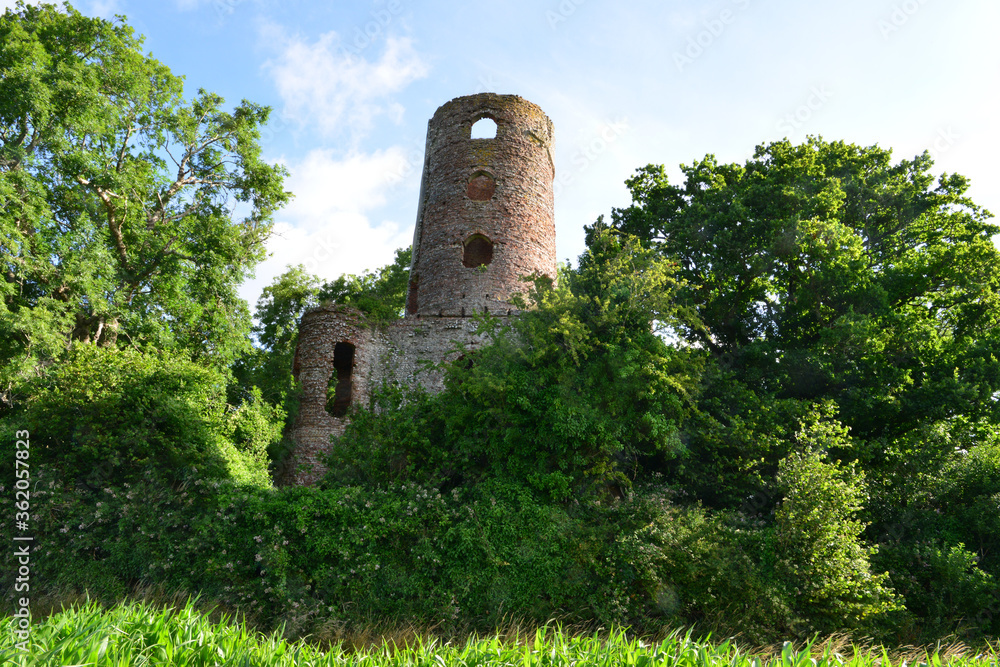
(130, 213)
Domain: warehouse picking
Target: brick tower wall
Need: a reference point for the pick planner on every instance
(481, 197)
(316, 361)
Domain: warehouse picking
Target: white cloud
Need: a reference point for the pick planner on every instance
(331, 225)
(326, 185)
(334, 86)
(327, 227)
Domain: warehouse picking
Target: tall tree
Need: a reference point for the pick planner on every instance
(129, 214)
(381, 294)
(825, 271)
(826, 274)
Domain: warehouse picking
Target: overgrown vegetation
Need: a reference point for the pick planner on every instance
(266, 368)
(568, 399)
(108, 417)
(764, 401)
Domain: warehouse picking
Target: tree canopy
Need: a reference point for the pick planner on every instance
(830, 280)
(130, 214)
(824, 271)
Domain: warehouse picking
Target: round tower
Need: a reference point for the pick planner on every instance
(485, 215)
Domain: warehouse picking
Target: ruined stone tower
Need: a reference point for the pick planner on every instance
(484, 220)
(485, 215)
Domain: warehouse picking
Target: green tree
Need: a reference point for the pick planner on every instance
(825, 274)
(824, 270)
(823, 558)
(381, 295)
(268, 365)
(129, 213)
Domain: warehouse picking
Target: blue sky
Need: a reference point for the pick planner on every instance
(353, 84)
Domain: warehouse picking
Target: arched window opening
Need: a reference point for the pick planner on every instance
(481, 186)
(338, 389)
(478, 251)
(484, 128)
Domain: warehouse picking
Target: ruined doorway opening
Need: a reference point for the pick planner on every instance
(477, 251)
(338, 388)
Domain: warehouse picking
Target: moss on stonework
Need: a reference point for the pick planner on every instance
(483, 150)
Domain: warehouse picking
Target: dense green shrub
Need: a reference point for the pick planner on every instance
(940, 531)
(944, 589)
(304, 557)
(694, 566)
(470, 557)
(819, 540)
(105, 416)
(805, 571)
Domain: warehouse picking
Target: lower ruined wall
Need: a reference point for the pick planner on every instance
(320, 331)
(375, 355)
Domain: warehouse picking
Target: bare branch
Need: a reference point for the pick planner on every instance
(166, 147)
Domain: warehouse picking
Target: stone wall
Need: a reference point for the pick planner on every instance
(397, 353)
(412, 342)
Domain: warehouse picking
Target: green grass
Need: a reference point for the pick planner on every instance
(138, 633)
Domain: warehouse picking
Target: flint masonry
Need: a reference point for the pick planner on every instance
(484, 220)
